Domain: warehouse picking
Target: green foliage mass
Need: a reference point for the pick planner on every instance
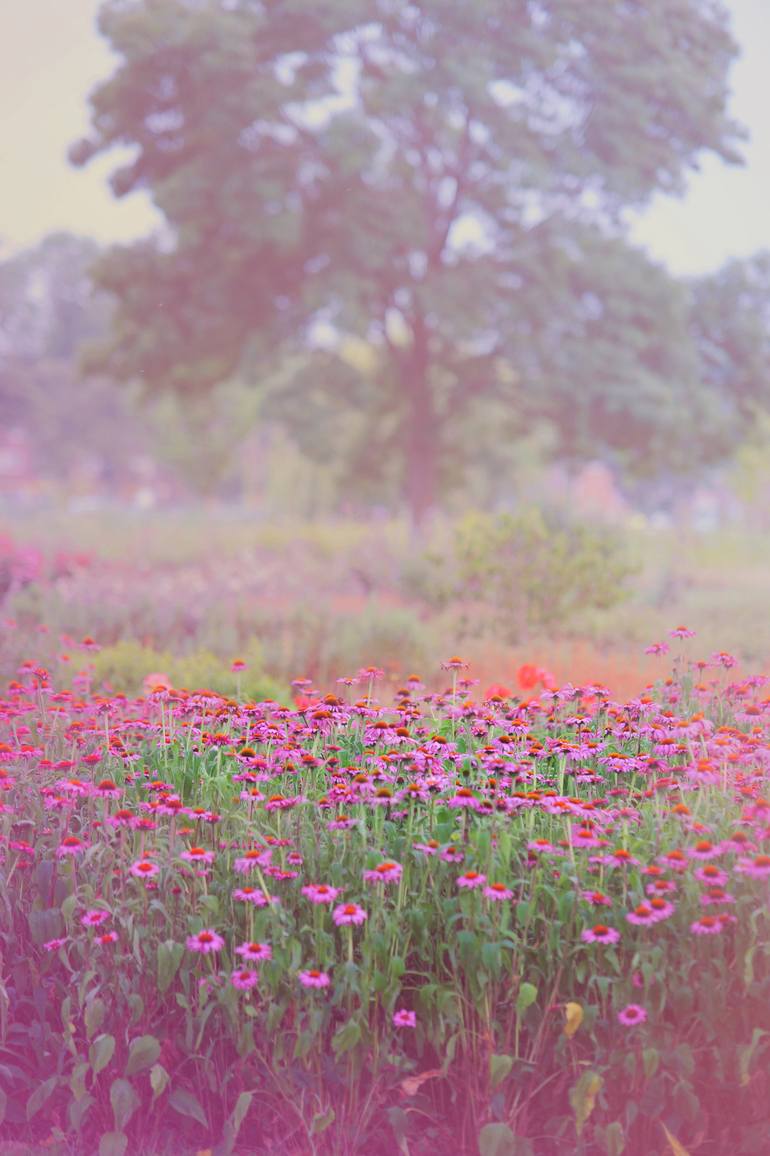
(125, 665)
(525, 571)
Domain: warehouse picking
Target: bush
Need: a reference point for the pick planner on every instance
(527, 571)
(124, 667)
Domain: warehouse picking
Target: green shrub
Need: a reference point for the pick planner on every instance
(124, 667)
(534, 570)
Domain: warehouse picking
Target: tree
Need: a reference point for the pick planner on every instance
(443, 179)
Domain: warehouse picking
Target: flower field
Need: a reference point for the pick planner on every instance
(409, 922)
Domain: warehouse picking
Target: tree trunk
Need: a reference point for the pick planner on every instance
(420, 443)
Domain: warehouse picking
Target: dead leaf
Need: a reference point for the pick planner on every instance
(412, 1084)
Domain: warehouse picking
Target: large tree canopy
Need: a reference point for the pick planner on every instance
(445, 180)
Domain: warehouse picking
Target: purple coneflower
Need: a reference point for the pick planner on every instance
(405, 1019)
(314, 978)
(386, 872)
(244, 978)
(348, 913)
(205, 941)
(255, 952)
(600, 933)
(632, 1014)
(321, 893)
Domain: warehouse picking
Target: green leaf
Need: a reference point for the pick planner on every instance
(158, 1080)
(526, 997)
(346, 1037)
(614, 1139)
(499, 1068)
(143, 1051)
(169, 957)
(321, 1121)
(124, 1102)
(582, 1097)
(101, 1052)
(113, 1144)
(651, 1060)
(497, 1140)
(41, 1094)
(186, 1104)
(94, 1016)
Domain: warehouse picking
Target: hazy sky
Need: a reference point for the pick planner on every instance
(51, 56)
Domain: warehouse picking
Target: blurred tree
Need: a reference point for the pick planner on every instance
(49, 308)
(442, 179)
(730, 324)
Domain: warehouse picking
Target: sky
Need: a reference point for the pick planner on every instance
(51, 56)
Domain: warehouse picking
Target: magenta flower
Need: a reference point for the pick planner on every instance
(250, 860)
(314, 978)
(320, 893)
(681, 632)
(253, 895)
(197, 855)
(70, 845)
(657, 648)
(404, 1019)
(706, 925)
(244, 978)
(641, 915)
(497, 891)
(255, 952)
(756, 868)
(55, 944)
(632, 1014)
(385, 872)
(600, 933)
(471, 879)
(205, 941)
(144, 869)
(348, 913)
(94, 918)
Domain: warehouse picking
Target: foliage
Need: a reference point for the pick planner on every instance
(442, 181)
(526, 572)
(125, 667)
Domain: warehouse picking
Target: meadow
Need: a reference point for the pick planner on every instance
(257, 901)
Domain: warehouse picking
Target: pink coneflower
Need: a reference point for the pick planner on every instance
(429, 848)
(703, 849)
(244, 978)
(596, 898)
(197, 855)
(497, 891)
(255, 952)
(106, 938)
(452, 854)
(321, 893)
(600, 933)
(661, 908)
(663, 886)
(711, 874)
(657, 648)
(55, 944)
(237, 665)
(471, 879)
(404, 1019)
(386, 872)
(620, 858)
(94, 918)
(107, 789)
(348, 913)
(251, 860)
(706, 925)
(756, 868)
(70, 845)
(632, 1014)
(144, 869)
(641, 915)
(714, 895)
(681, 632)
(313, 978)
(205, 941)
(255, 896)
